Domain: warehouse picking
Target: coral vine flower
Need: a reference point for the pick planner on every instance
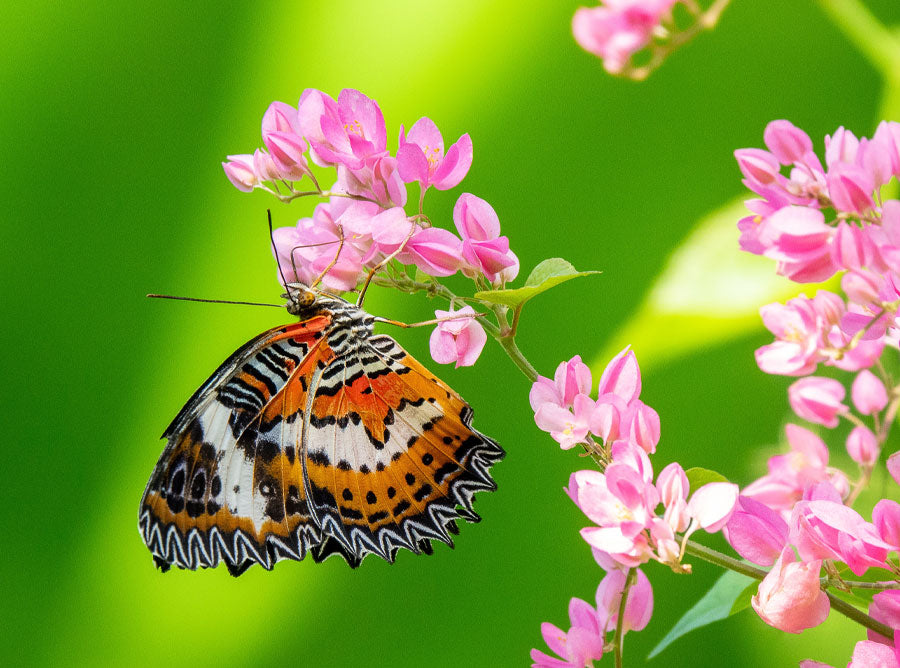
(348, 132)
(789, 598)
(483, 249)
(618, 29)
(818, 400)
(421, 157)
(580, 647)
(458, 340)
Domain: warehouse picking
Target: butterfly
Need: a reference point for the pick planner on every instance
(317, 437)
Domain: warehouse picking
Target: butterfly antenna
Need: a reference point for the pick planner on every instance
(378, 267)
(275, 252)
(333, 260)
(212, 301)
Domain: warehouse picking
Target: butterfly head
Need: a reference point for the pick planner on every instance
(300, 298)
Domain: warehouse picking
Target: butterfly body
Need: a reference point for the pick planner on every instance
(316, 437)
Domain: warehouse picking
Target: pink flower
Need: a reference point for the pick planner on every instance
(756, 532)
(421, 157)
(788, 142)
(885, 608)
(638, 608)
(841, 147)
(580, 647)
(622, 376)
(792, 474)
(434, 250)
(862, 446)
(831, 530)
(572, 378)
(459, 340)
(893, 466)
(861, 286)
(618, 29)
(349, 132)
(760, 167)
(852, 247)
(799, 240)
(565, 427)
(868, 654)
(239, 170)
(280, 117)
(886, 518)
(797, 326)
(640, 424)
(286, 150)
(712, 505)
(621, 502)
(818, 400)
(483, 249)
(789, 598)
(850, 188)
(868, 393)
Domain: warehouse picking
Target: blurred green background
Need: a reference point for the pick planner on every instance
(113, 121)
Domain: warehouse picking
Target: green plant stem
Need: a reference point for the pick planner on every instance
(874, 40)
(618, 644)
(846, 609)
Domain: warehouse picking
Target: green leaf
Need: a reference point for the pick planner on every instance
(546, 275)
(743, 599)
(697, 477)
(718, 603)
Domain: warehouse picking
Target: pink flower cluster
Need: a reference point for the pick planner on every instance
(816, 220)
(563, 407)
(584, 642)
(618, 29)
(637, 519)
(364, 216)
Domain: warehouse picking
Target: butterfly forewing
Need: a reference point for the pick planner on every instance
(315, 437)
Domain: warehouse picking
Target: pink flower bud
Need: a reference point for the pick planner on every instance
(893, 466)
(818, 400)
(868, 393)
(886, 518)
(239, 170)
(887, 135)
(280, 117)
(622, 376)
(861, 286)
(868, 654)
(459, 340)
(841, 147)
(638, 608)
(264, 166)
(434, 250)
(643, 425)
(875, 158)
(606, 417)
(287, 151)
(852, 248)
(850, 188)
(789, 598)
(756, 532)
(760, 167)
(712, 505)
(862, 446)
(572, 378)
(788, 142)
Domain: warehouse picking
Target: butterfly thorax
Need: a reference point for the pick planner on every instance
(349, 325)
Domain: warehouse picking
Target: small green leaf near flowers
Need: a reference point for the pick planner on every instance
(697, 477)
(546, 275)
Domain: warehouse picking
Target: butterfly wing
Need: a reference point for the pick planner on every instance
(290, 448)
(392, 460)
(202, 504)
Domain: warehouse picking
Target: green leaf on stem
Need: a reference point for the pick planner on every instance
(743, 599)
(548, 274)
(718, 603)
(697, 477)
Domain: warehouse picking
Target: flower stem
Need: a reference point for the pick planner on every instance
(846, 609)
(618, 643)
